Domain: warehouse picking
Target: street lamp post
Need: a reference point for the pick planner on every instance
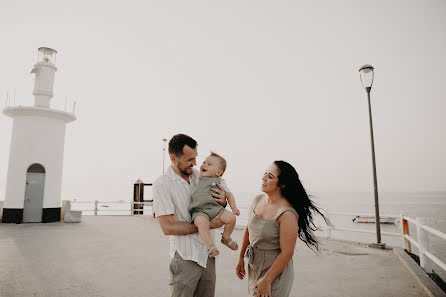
(367, 75)
(164, 151)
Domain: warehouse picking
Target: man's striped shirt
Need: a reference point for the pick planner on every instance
(172, 195)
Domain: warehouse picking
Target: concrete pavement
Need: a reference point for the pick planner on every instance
(128, 256)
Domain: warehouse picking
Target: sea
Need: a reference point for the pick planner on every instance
(430, 205)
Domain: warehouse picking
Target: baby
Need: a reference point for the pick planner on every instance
(204, 208)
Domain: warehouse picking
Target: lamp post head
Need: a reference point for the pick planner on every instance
(366, 74)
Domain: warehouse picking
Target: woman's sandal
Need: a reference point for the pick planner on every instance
(229, 243)
(213, 251)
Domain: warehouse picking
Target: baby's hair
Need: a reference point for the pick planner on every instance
(221, 159)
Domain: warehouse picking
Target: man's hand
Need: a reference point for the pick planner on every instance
(219, 194)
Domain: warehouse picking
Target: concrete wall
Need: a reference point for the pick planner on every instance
(35, 139)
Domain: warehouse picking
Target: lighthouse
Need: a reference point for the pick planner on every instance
(34, 178)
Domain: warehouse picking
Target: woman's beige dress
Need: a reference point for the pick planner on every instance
(263, 249)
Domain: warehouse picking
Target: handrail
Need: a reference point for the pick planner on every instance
(98, 204)
(410, 220)
(422, 243)
(433, 231)
(436, 260)
(413, 241)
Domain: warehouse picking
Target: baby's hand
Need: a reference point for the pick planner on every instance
(236, 211)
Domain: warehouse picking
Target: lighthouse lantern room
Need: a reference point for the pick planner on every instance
(34, 178)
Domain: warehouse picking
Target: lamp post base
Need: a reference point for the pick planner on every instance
(381, 246)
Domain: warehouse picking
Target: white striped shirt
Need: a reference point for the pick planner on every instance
(172, 195)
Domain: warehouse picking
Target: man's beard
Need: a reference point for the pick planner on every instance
(184, 172)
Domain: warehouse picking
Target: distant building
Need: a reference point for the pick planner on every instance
(34, 179)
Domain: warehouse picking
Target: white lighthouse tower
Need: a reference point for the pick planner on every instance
(34, 180)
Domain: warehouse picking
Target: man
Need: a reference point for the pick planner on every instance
(192, 271)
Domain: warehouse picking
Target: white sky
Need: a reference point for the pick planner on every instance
(253, 80)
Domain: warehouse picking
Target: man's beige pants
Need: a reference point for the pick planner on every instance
(188, 279)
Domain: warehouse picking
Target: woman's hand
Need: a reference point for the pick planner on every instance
(240, 268)
(263, 288)
(219, 194)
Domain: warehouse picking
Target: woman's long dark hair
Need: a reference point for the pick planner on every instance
(293, 191)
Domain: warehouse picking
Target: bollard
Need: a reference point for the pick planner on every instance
(95, 207)
(404, 231)
(423, 241)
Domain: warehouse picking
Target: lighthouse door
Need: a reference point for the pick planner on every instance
(35, 181)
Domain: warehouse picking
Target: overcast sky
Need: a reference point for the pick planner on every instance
(254, 81)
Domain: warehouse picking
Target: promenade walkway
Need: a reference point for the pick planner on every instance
(128, 256)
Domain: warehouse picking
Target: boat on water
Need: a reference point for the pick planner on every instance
(371, 220)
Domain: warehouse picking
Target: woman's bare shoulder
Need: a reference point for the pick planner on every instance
(288, 218)
(287, 213)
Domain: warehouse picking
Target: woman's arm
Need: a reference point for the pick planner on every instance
(240, 268)
(288, 236)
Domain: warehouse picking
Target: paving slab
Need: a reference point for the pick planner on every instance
(128, 256)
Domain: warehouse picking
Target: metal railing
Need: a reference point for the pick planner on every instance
(421, 242)
(98, 204)
(10, 102)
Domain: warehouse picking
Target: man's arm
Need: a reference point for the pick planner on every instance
(170, 226)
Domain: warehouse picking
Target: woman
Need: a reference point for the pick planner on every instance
(275, 221)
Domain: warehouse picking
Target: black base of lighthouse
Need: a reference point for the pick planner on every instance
(12, 215)
(50, 215)
(15, 215)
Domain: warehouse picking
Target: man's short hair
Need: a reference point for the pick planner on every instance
(177, 143)
(221, 160)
